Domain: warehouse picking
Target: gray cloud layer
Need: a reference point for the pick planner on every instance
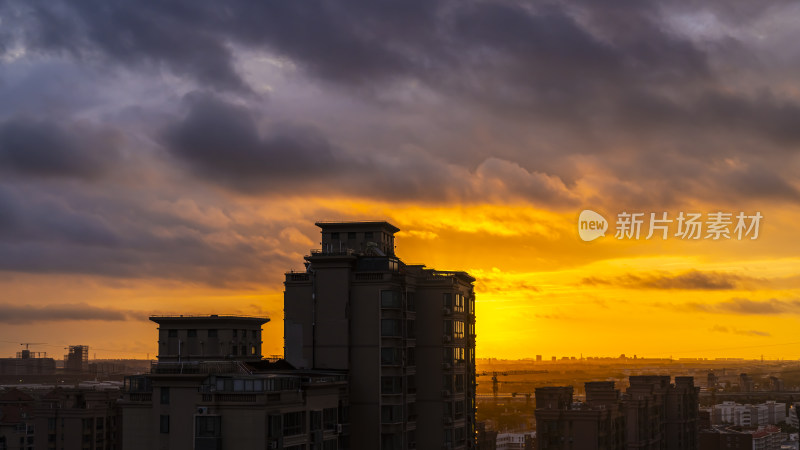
(692, 279)
(23, 314)
(108, 109)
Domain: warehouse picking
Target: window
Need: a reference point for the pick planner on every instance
(461, 435)
(164, 423)
(208, 426)
(410, 329)
(252, 349)
(411, 356)
(234, 350)
(410, 299)
(391, 413)
(391, 327)
(244, 350)
(244, 333)
(172, 333)
(391, 356)
(329, 421)
(316, 420)
(411, 435)
(448, 328)
(165, 396)
(458, 332)
(411, 381)
(448, 437)
(330, 444)
(368, 235)
(447, 355)
(335, 236)
(459, 382)
(192, 333)
(391, 441)
(294, 423)
(447, 382)
(391, 385)
(391, 299)
(448, 300)
(351, 235)
(212, 333)
(459, 409)
(459, 303)
(274, 426)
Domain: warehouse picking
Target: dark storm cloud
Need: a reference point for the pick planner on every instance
(25, 314)
(691, 280)
(222, 141)
(601, 72)
(45, 148)
(72, 232)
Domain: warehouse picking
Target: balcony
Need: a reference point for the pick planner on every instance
(140, 397)
(298, 276)
(369, 276)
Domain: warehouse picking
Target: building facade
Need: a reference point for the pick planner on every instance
(404, 333)
(211, 390)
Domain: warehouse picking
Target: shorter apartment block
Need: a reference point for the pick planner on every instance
(204, 395)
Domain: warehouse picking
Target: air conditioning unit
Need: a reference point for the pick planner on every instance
(273, 445)
(447, 311)
(446, 338)
(339, 428)
(202, 410)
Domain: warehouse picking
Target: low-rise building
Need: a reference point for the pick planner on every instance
(211, 390)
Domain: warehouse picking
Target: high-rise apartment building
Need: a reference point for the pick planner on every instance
(404, 333)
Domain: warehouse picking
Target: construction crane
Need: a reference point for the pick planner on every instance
(505, 373)
(26, 353)
(28, 344)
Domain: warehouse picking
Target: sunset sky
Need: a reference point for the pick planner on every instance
(172, 158)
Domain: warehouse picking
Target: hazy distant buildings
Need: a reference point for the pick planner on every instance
(77, 359)
(26, 363)
(405, 335)
(732, 413)
(652, 414)
(746, 383)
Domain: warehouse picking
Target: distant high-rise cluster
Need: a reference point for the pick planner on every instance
(652, 414)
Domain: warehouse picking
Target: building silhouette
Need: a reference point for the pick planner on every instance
(211, 390)
(652, 414)
(405, 334)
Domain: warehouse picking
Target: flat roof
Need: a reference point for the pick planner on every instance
(209, 317)
(357, 225)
